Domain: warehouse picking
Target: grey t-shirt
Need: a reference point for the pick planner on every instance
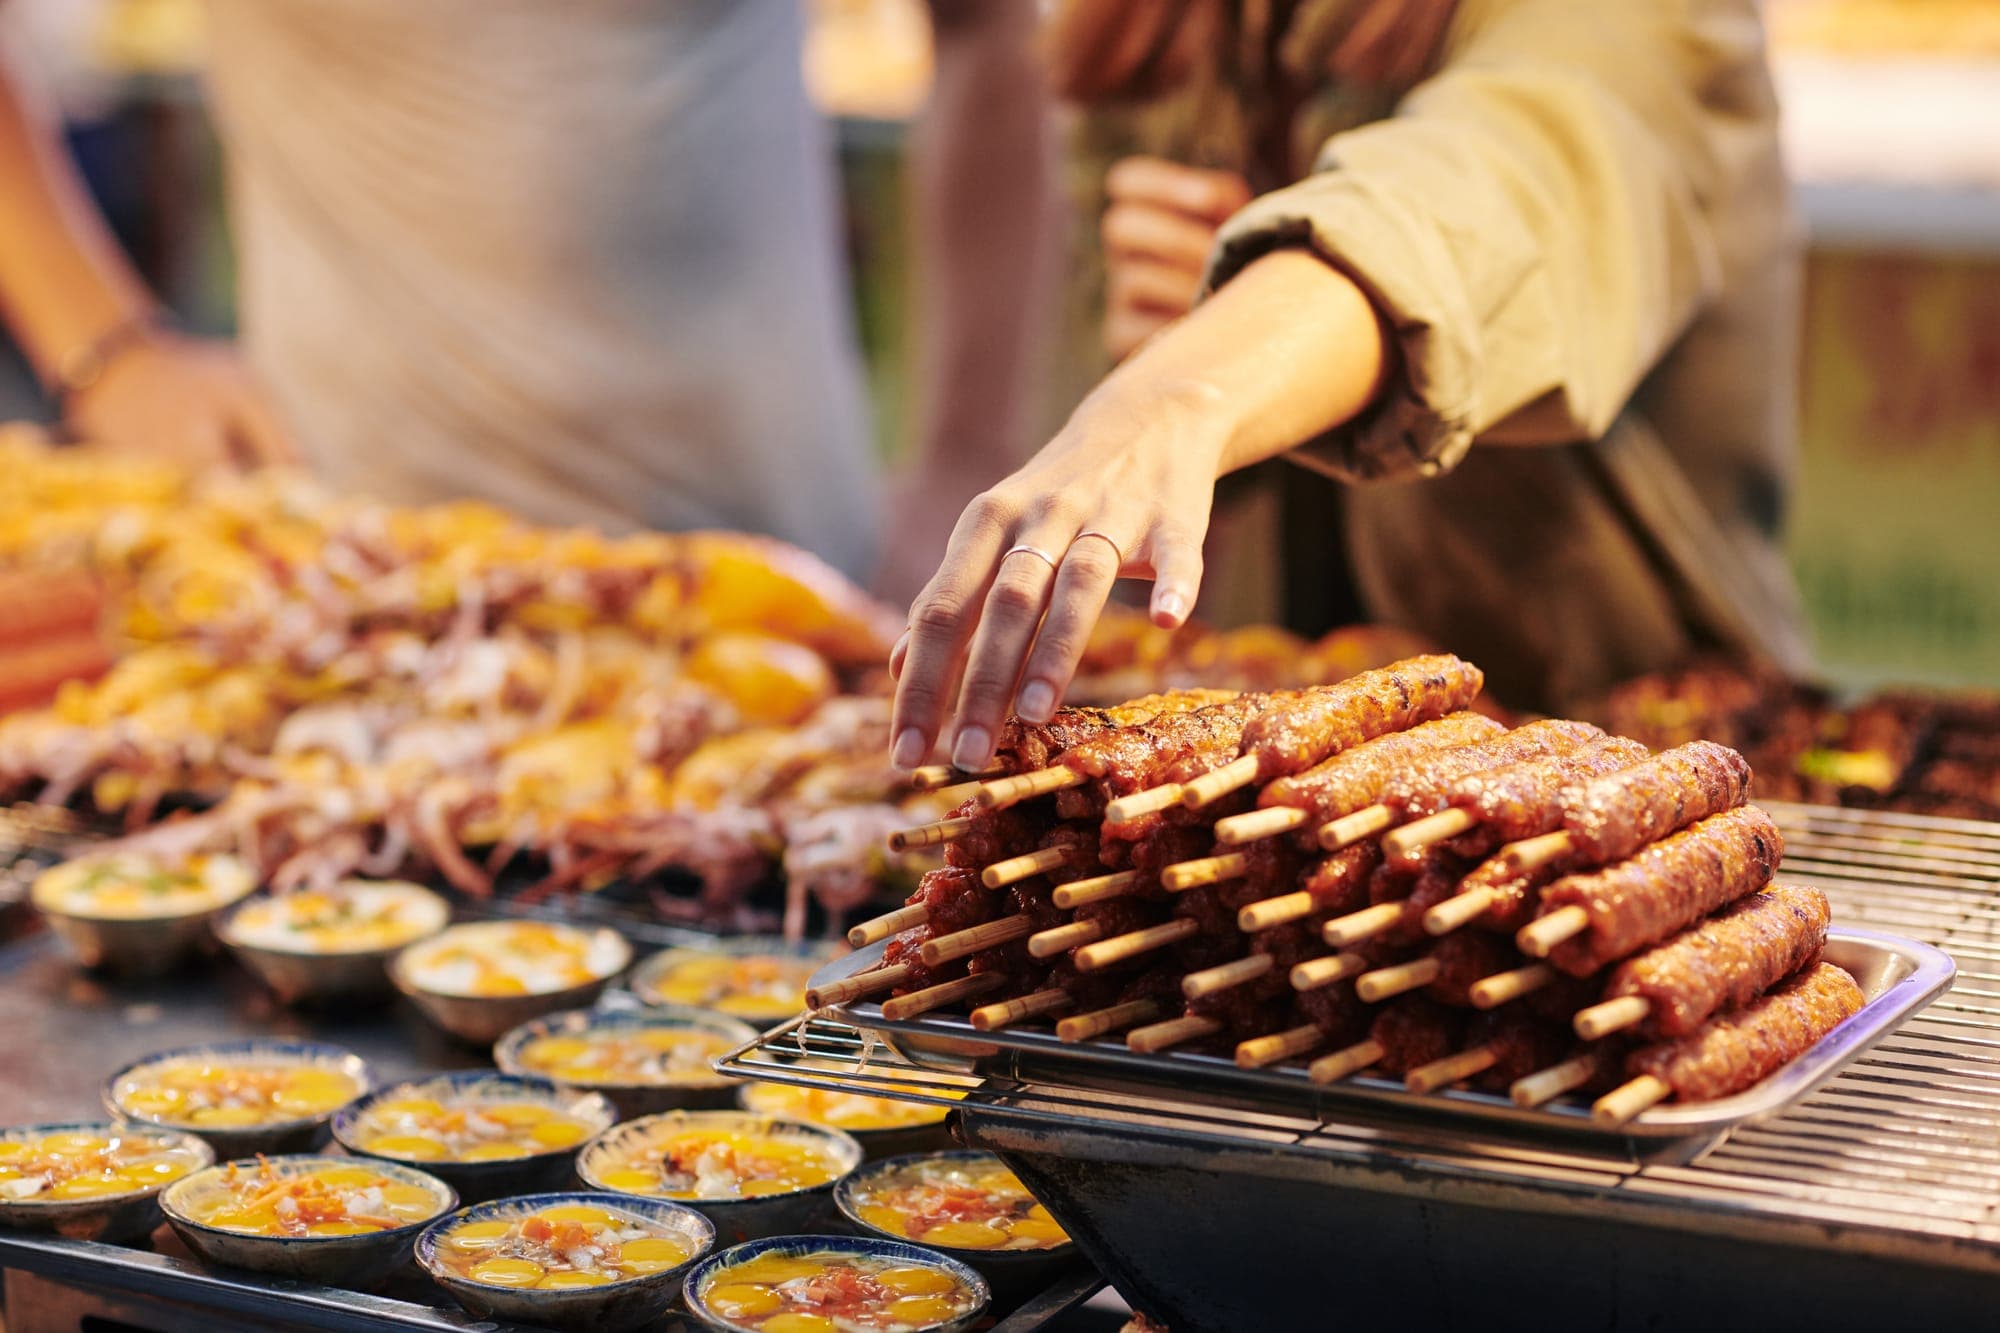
(576, 258)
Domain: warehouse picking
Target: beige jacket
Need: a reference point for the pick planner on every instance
(1580, 232)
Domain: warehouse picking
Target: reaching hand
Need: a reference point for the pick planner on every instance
(187, 399)
(1158, 233)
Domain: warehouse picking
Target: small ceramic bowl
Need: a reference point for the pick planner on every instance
(115, 1218)
(298, 1134)
(760, 979)
(914, 1127)
(298, 966)
(736, 1219)
(611, 1308)
(1008, 1270)
(633, 1097)
(480, 1180)
(702, 1281)
(341, 1261)
(480, 1018)
(140, 937)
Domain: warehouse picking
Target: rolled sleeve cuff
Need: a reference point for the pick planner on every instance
(1422, 425)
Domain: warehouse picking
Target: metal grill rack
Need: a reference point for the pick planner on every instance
(1900, 1151)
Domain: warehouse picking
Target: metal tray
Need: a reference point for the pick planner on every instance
(1898, 976)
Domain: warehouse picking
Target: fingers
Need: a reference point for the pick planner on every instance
(1196, 191)
(1013, 613)
(1155, 233)
(1082, 586)
(1176, 561)
(941, 621)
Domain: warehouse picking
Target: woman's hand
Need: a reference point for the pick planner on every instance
(1158, 230)
(187, 399)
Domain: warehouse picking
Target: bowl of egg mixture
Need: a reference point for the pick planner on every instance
(315, 943)
(321, 1219)
(883, 1126)
(484, 1134)
(759, 979)
(644, 1060)
(571, 1261)
(750, 1175)
(968, 1205)
(92, 1180)
(242, 1097)
(834, 1284)
(137, 914)
(477, 981)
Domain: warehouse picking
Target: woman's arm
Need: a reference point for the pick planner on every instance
(1289, 349)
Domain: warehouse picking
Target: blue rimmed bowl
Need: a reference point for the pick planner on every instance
(930, 1133)
(611, 1308)
(299, 1134)
(735, 1219)
(655, 979)
(114, 1218)
(703, 1088)
(340, 1261)
(1010, 1271)
(702, 1280)
(479, 1180)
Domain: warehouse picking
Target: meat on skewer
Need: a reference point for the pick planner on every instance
(1734, 1051)
(1500, 1048)
(1336, 884)
(1590, 920)
(1321, 1017)
(1413, 1031)
(1446, 972)
(1518, 801)
(1030, 753)
(1493, 896)
(1621, 812)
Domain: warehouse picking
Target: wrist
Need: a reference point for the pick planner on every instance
(1187, 413)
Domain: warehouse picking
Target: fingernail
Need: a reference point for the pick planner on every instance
(1037, 701)
(909, 749)
(972, 748)
(1169, 606)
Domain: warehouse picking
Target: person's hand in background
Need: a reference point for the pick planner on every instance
(188, 399)
(1158, 230)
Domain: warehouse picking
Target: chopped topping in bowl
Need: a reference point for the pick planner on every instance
(91, 1164)
(328, 1200)
(759, 986)
(496, 958)
(709, 1164)
(829, 1292)
(200, 1094)
(354, 916)
(137, 888)
(958, 1203)
(468, 1128)
(626, 1055)
(855, 1112)
(560, 1247)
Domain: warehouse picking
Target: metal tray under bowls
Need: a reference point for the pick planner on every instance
(1898, 976)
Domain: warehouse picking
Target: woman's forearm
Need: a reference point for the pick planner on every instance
(64, 283)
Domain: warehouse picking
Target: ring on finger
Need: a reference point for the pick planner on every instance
(1104, 537)
(1023, 548)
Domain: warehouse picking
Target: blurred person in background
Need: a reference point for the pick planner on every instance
(580, 260)
(1521, 274)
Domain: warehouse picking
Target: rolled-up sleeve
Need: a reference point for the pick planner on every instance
(1535, 224)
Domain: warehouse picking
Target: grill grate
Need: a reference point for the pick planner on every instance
(1906, 1140)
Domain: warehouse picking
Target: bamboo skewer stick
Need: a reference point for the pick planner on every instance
(1420, 833)
(1627, 1100)
(1547, 1084)
(1204, 870)
(1365, 924)
(958, 793)
(1601, 1020)
(993, 1017)
(1274, 911)
(931, 834)
(1352, 1060)
(931, 777)
(1082, 1027)
(1127, 808)
(1235, 830)
(1084, 891)
(889, 923)
(1121, 947)
(1457, 911)
(1173, 1032)
(1317, 972)
(1384, 982)
(1219, 782)
(1534, 853)
(1210, 980)
(1063, 938)
(1498, 989)
(1261, 1051)
(1001, 792)
(863, 983)
(1350, 829)
(1017, 868)
(934, 997)
(1539, 937)
(1452, 1069)
(974, 938)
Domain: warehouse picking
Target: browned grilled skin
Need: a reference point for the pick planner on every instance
(1133, 830)
(1131, 759)
(1421, 791)
(956, 899)
(1464, 958)
(1293, 735)
(997, 834)
(1340, 882)
(1726, 961)
(1735, 1050)
(1415, 1030)
(1357, 777)
(1335, 1010)
(1525, 799)
(1521, 1042)
(1168, 844)
(1026, 746)
(1666, 887)
(1621, 812)
(1518, 894)
(1433, 881)
(907, 948)
(1558, 1001)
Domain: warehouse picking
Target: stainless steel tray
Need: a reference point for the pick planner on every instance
(1898, 976)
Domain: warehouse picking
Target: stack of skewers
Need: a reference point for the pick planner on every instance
(1370, 877)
